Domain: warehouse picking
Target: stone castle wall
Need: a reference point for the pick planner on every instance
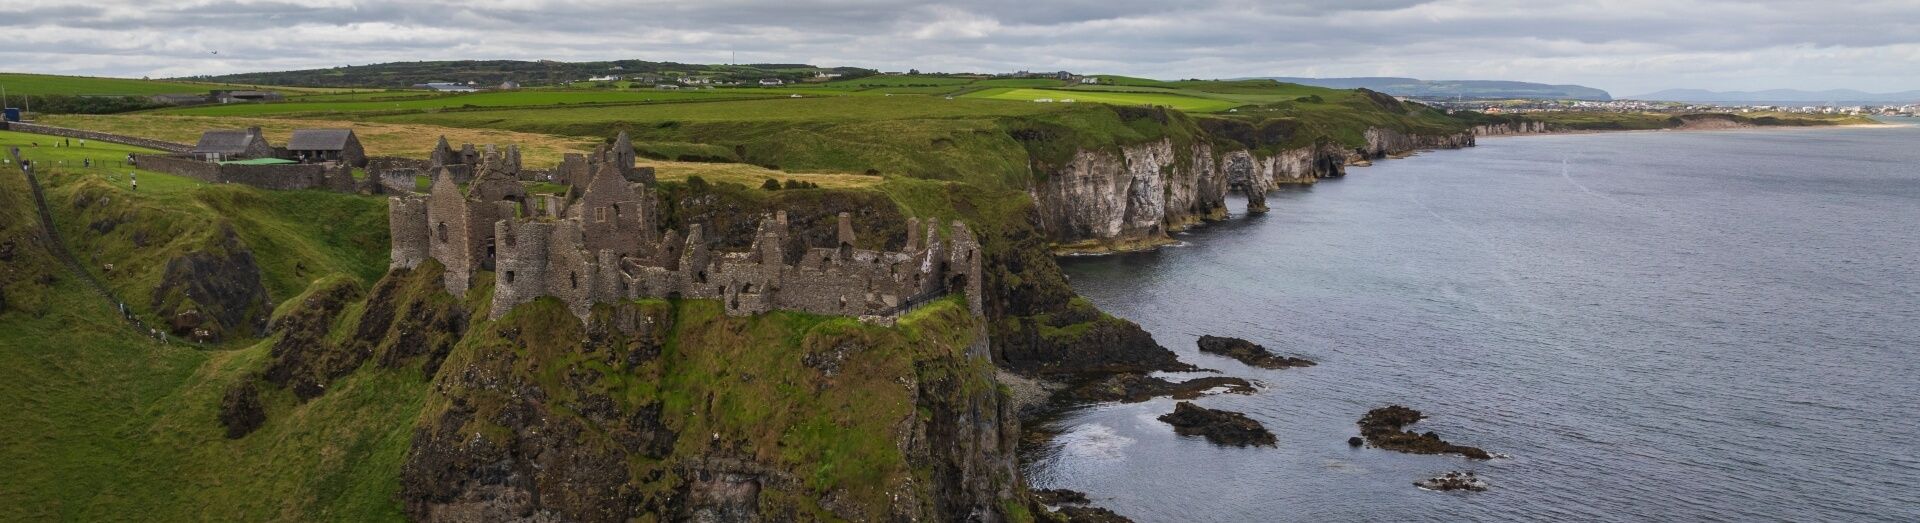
(604, 245)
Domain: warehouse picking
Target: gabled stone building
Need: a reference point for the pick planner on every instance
(602, 242)
(327, 145)
(232, 144)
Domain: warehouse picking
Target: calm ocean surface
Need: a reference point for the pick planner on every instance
(1702, 326)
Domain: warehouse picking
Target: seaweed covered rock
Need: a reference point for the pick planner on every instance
(1092, 515)
(1249, 353)
(1135, 388)
(1382, 429)
(1452, 481)
(1221, 427)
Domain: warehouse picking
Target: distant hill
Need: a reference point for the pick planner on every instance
(1780, 96)
(1456, 88)
(495, 72)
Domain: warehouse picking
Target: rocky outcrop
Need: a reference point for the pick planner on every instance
(1381, 427)
(1255, 176)
(1249, 353)
(240, 409)
(1383, 142)
(1221, 427)
(302, 359)
(650, 410)
(1135, 388)
(1451, 481)
(210, 294)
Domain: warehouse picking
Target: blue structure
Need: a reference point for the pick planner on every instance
(12, 114)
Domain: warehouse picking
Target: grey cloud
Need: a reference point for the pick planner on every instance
(1623, 45)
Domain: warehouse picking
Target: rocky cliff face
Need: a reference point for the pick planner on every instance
(678, 412)
(1132, 196)
(1385, 142)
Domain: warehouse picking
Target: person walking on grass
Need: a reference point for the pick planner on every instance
(134, 181)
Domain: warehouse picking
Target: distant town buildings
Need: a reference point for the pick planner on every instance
(447, 87)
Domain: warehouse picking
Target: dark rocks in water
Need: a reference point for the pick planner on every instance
(1355, 441)
(1453, 481)
(1249, 353)
(1092, 515)
(1060, 496)
(1135, 388)
(240, 409)
(1219, 426)
(1382, 428)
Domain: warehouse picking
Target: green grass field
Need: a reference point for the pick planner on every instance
(359, 103)
(1174, 100)
(42, 84)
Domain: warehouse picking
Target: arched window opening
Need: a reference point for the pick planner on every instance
(442, 232)
(574, 278)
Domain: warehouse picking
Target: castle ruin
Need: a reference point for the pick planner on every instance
(602, 241)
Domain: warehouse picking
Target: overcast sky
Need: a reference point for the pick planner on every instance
(1625, 46)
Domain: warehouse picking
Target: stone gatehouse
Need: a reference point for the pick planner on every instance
(602, 241)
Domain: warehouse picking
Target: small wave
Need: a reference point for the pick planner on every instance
(1094, 441)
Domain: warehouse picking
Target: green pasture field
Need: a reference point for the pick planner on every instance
(524, 98)
(46, 84)
(1177, 101)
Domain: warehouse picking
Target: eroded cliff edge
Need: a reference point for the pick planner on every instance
(1132, 196)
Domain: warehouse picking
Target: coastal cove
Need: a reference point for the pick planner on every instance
(1691, 325)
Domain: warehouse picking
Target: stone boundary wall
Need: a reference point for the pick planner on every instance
(274, 177)
(35, 128)
(180, 166)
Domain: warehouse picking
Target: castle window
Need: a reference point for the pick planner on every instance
(616, 211)
(574, 278)
(443, 232)
(509, 276)
(599, 214)
(510, 238)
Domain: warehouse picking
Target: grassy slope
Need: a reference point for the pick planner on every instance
(296, 236)
(107, 423)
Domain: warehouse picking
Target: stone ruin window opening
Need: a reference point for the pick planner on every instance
(442, 232)
(600, 214)
(574, 278)
(700, 277)
(509, 276)
(510, 239)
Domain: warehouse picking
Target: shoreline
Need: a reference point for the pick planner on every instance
(1881, 125)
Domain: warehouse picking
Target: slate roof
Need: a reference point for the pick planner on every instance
(223, 142)
(319, 139)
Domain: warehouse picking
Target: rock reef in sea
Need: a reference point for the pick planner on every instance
(1382, 428)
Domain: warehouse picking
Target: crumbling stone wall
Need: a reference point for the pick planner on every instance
(602, 244)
